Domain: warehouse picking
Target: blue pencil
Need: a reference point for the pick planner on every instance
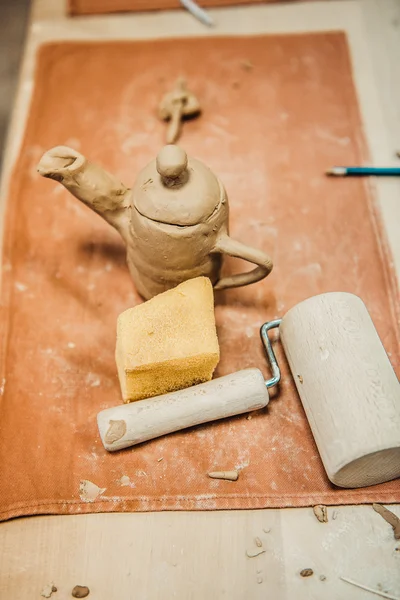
(360, 171)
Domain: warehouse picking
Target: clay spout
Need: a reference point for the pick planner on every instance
(88, 182)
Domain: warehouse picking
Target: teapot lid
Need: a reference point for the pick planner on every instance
(175, 189)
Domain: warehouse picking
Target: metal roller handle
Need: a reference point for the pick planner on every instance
(273, 363)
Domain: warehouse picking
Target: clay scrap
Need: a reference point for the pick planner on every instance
(48, 590)
(80, 591)
(227, 475)
(390, 518)
(250, 554)
(89, 491)
(321, 512)
(306, 573)
(176, 105)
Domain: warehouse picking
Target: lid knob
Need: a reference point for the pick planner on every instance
(171, 161)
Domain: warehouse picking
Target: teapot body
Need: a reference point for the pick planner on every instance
(160, 255)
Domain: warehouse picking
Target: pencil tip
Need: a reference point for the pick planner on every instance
(336, 171)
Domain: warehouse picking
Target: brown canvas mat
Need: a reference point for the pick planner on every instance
(93, 7)
(269, 132)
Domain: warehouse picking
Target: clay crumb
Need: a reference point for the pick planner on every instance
(249, 417)
(306, 573)
(259, 579)
(322, 578)
(334, 515)
(227, 475)
(176, 105)
(300, 378)
(48, 590)
(255, 553)
(258, 542)
(125, 481)
(80, 591)
(160, 459)
(89, 491)
(321, 512)
(390, 518)
(267, 530)
(247, 65)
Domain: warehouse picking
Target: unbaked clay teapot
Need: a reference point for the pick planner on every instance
(174, 220)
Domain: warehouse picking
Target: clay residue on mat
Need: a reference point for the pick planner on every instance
(89, 491)
(65, 279)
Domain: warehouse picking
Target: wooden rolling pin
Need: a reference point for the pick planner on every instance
(131, 424)
(348, 388)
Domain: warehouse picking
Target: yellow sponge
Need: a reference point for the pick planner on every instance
(169, 342)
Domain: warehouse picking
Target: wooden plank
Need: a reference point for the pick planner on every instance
(199, 555)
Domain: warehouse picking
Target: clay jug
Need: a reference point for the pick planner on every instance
(174, 220)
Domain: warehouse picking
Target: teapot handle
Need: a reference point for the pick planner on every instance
(226, 245)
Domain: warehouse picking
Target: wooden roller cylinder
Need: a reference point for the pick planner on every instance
(348, 388)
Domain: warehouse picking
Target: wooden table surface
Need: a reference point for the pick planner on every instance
(200, 555)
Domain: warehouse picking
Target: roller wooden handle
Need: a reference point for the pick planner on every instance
(348, 388)
(131, 424)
